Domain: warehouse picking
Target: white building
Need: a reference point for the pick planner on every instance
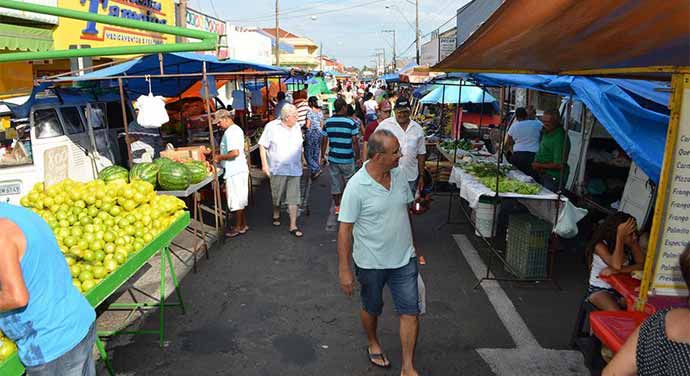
(249, 44)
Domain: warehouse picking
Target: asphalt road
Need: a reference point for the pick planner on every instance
(267, 303)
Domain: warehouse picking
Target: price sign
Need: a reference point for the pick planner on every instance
(675, 227)
(55, 165)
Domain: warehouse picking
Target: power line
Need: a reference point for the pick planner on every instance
(292, 11)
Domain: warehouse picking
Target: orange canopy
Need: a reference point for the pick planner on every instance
(575, 36)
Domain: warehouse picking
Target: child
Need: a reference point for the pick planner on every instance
(236, 170)
(614, 249)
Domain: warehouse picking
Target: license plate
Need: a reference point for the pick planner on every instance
(8, 189)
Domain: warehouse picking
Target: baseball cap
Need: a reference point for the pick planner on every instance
(221, 114)
(402, 104)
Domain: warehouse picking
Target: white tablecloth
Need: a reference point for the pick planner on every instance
(542, 204)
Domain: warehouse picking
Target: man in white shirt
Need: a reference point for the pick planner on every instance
(236, 170)
(410, 135)
(523, 138)
(280, 147)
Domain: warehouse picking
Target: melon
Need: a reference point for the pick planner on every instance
(114, 173)
(197, 171)
(174, 177)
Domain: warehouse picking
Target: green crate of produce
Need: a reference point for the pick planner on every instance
(527, 244)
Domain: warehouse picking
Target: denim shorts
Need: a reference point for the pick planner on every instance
(79, 361)
(401, 281)
(340, 174)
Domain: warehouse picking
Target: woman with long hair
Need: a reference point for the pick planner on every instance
(314, 133)
(615, 248)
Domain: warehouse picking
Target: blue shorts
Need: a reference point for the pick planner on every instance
(401, 281)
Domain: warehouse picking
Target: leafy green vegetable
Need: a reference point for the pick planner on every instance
(510, 185)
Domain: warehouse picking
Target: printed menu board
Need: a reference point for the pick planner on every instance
(675, 231)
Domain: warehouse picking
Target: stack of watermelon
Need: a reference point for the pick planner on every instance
(165, 173)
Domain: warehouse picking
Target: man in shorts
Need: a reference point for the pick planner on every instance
(375, 232)
(343, 149)
(236, 170)
(281, 151)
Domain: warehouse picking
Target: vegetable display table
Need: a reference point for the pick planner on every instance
(97, 295)
(199, 234)
(614, 327)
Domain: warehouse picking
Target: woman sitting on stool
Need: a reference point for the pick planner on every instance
(614, 249)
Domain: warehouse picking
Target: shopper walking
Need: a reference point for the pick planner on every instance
(236, 170)
(383, 113)
(280, 147)
(315, 134)
(375, 232)
(53, 325)
(370, 107)
(410, 136)
(343, 149)
(280, 103)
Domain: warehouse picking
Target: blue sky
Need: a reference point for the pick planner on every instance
(349, 30)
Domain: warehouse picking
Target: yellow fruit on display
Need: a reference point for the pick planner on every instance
(99, 225)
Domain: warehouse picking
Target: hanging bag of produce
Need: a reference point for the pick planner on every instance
(152, 112)
(567, 221)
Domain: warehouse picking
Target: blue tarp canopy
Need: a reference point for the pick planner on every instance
(391, 77)
(173, 63)
(448, 94)
(632, 111)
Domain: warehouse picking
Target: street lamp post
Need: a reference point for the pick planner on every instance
(395, 67)
(277, 51)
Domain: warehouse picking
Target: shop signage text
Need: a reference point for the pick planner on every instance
(149, 14)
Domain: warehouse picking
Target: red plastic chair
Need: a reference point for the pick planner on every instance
(614, 327)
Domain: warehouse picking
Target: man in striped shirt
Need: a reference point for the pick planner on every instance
(343, 149)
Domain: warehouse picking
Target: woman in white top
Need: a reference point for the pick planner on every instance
(370, 107)
(614, 249)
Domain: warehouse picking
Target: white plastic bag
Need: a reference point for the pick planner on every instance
(152, 113)
(421, 292)
(567, 221)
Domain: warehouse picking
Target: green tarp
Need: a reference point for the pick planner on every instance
(24, 38)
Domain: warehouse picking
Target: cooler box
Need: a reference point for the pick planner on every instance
(527, 244)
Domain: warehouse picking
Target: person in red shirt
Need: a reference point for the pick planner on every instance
(384, 112)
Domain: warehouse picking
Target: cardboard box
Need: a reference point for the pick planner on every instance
(187, 153)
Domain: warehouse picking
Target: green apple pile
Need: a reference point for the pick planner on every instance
(99, 225)
(7, 347)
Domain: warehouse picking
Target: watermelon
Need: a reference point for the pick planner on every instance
(161, 161)
(114, 173)
(146, 171)
(174, 177)
(197, 170)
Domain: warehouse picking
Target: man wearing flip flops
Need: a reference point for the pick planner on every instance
(375, 232)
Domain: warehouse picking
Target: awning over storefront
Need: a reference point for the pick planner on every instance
(621, 106)
(577, 37)
(24, 38)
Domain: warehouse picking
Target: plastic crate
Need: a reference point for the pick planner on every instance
(527, 242)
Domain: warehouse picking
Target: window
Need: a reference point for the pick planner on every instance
(95, 117)
(576, 115)
(114, 113)
(47, 123)
(72, 120)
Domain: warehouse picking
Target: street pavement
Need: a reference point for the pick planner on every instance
(267, 303)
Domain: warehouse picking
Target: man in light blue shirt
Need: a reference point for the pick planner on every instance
(375, 230)
(523, 137)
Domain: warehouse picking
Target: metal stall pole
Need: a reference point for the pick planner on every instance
(216, 183)
(244, 99)
(124, 120)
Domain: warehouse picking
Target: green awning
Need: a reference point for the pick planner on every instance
(24, 38)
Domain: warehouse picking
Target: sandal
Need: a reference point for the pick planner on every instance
(297, 233)
(381, 356)
(232, 233)
(244, 230)
(276, 221)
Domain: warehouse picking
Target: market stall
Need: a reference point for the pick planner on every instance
(170, 76)
(662, 52)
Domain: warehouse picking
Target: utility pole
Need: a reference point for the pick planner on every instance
(395, 66)
(416, 5)
(181, 19)
(383, 53)
(278, 38)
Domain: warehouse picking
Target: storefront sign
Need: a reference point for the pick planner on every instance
(199, 21)
(675, 227)
(56, 165)
(76, 32)
(446, 47)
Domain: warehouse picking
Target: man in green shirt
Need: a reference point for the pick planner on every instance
(549, 158)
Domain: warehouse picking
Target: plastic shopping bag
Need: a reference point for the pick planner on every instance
(421, 290)
(152, 112)
(567, 221)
